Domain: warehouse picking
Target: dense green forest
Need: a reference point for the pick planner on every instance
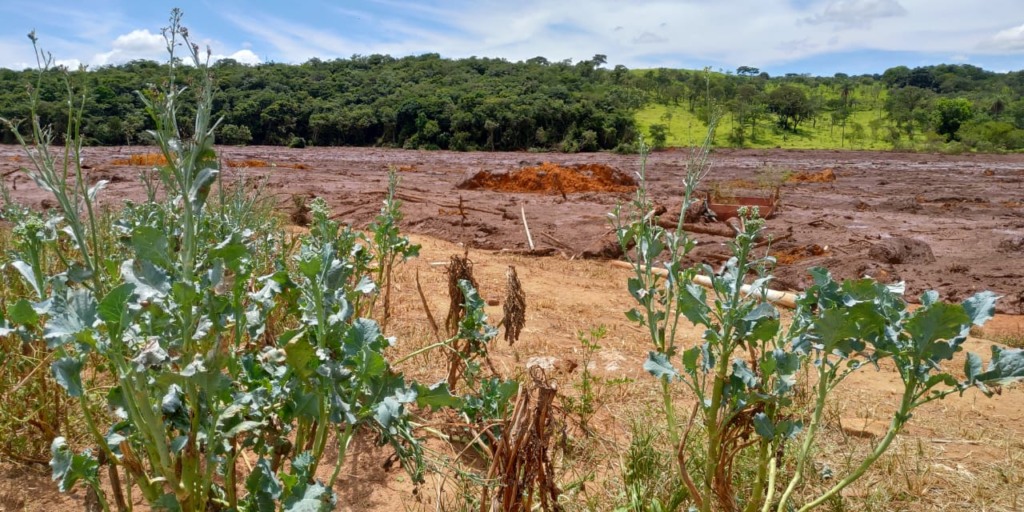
(414, 102)
(492, 104)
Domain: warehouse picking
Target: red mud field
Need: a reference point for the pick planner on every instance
(848, 211)
(950, 223)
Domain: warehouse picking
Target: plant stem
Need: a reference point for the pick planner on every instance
(898, 420)
(343, 442)
(805, 448)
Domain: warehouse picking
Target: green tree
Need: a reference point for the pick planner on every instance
(791, 105)
(949, 113)
(659, 135)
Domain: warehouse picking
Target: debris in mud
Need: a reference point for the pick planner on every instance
(549, 178)
(900, 250)
(900, 204)
(141, 160)
(794, 254)
(882, 273)
(727, 207)
(1015, 244)
(605, 248)
(301, 215)
(825, 176)
(157, 159)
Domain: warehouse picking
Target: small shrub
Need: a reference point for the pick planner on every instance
(235, 135)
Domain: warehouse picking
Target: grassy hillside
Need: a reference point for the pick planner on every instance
(686, 129)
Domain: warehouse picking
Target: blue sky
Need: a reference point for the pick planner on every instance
(820, 37)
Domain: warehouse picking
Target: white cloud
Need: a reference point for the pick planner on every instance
(137, 44)
(1008, 40)
(689, 33)
(242, 56)
(857, 13)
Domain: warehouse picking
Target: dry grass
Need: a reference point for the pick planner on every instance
(951, 456)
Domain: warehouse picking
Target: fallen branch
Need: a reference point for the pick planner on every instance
(771, 239)
(426, 307)
(556, 241)
(547, 251)
(784, 299)
(416, 199)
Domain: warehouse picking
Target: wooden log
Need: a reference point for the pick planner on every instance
(784, 299)
(543, 251)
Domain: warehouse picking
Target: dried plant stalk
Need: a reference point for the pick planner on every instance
(514, 307)
(521, 466)
(460, 268)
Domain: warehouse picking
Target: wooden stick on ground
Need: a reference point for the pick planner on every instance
(784, 299)
(556, 241)
(426, 307)
(522, 210)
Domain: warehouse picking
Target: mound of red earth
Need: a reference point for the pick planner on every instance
(549, 178)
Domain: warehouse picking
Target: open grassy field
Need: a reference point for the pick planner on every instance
(685, 129)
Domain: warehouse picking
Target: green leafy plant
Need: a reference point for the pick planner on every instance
(389, 247)
(743, 371)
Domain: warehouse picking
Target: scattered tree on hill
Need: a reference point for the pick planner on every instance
(949, 114)
(791, 105)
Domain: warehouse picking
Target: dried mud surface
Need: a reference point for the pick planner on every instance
(968, 209)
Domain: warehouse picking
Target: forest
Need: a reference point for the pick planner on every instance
(430, 102)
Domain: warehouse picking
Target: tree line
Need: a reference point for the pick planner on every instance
(431, 102)
(414, 102)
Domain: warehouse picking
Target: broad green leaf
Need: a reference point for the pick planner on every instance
(743, 374)
(836, 330)
(70, 317)
(369, 365)
(150, 282)
(691, 357)
(201, 186)
(263, 486)
(171, 403)
(301, 356)
(167, 503)
(929, 297)
(763, 426)
(79, 274)
(67, 371)
(692, 302)
(634, 315)
(28, 275)
(387, 412)
(365, 286)
(1005, 367)
(981, 307)
(659, 366)
(113, 308)
(938, 330)
(972, 367)
(68, 467)
(21, 313)
(436, 396)
(314, 498)
(232, 252)
(150, 245)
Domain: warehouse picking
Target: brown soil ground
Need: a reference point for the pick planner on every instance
(958, 453)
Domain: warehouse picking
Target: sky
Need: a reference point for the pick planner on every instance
(818, 37)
